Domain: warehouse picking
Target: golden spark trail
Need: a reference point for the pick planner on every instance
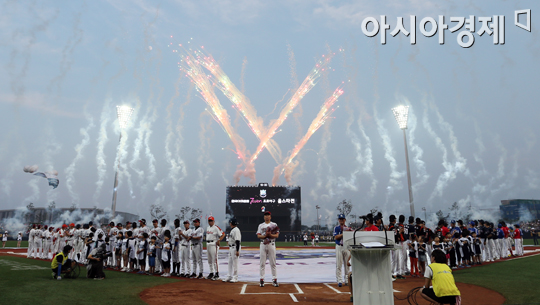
(320, 119)
(191, 66)
(305, 87)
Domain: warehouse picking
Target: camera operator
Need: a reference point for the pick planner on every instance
(95, 262)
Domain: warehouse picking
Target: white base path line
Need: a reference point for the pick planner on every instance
(244, 287)
(337, 291)
(298, 288)
(293, 297)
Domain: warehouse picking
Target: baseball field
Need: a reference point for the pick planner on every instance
(29, 281)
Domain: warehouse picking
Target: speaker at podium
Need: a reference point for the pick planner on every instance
(371, 266)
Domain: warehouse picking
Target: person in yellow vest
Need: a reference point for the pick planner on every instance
(439, 275)
(61, 261)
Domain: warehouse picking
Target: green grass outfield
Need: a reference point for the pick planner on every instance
(21, 284)
(13, 243)
(517, 280)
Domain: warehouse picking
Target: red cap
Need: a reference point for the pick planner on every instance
(64, 226)
(71, 224)
(267, 213)
(211, 218)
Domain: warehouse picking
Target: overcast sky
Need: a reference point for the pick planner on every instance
(473, 136)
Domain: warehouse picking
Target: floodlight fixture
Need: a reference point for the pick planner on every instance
(124, 115)
(401, 113)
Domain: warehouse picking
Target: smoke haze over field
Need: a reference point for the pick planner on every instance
(472, 133)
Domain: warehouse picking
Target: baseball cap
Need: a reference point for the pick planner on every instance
(143, 221)
(71, 224)
(341, 216)
(233, 221)
(500, 225)
(154, 221)
(471, 223)
(196, 220)
(211, 218)
(119, 224)
(453, 221)
(64, 226)
(186, 221)
(267, 213)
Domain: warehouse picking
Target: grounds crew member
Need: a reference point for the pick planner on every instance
(60, 261)
(439, 275)
(267, 232)
(213, 236)
(235, 237)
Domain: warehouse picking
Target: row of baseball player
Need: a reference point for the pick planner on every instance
(463, 246)
(153, 250)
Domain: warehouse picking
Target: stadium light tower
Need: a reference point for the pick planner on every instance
(401, 113)
(124, 115)
(318, 224)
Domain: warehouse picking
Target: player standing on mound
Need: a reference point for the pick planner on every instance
(268, 232)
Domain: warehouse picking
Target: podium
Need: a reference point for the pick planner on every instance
(371, 267)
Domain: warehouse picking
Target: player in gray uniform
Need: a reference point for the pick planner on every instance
(185, 269)
(235, 237)
(267, 232)
(196, 239)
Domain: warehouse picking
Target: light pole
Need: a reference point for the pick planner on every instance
(124, 114)
(318, 225)
(425, 214)
(401, 113)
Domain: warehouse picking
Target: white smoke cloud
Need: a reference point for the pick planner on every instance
(101, 142)
(79, 148)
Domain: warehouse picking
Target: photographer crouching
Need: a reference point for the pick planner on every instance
(95, 262)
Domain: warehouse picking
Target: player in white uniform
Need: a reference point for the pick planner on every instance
(156, 231)
(196, 238)
(4, 239)
(267, 232)
(19, 239)
(38, 242)
(185, 269)
(213, 236)
(235, 237)
(31, 241)
(48, 237)
(342, 254)
(317, 239)
(113, 231)
(143, 228)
